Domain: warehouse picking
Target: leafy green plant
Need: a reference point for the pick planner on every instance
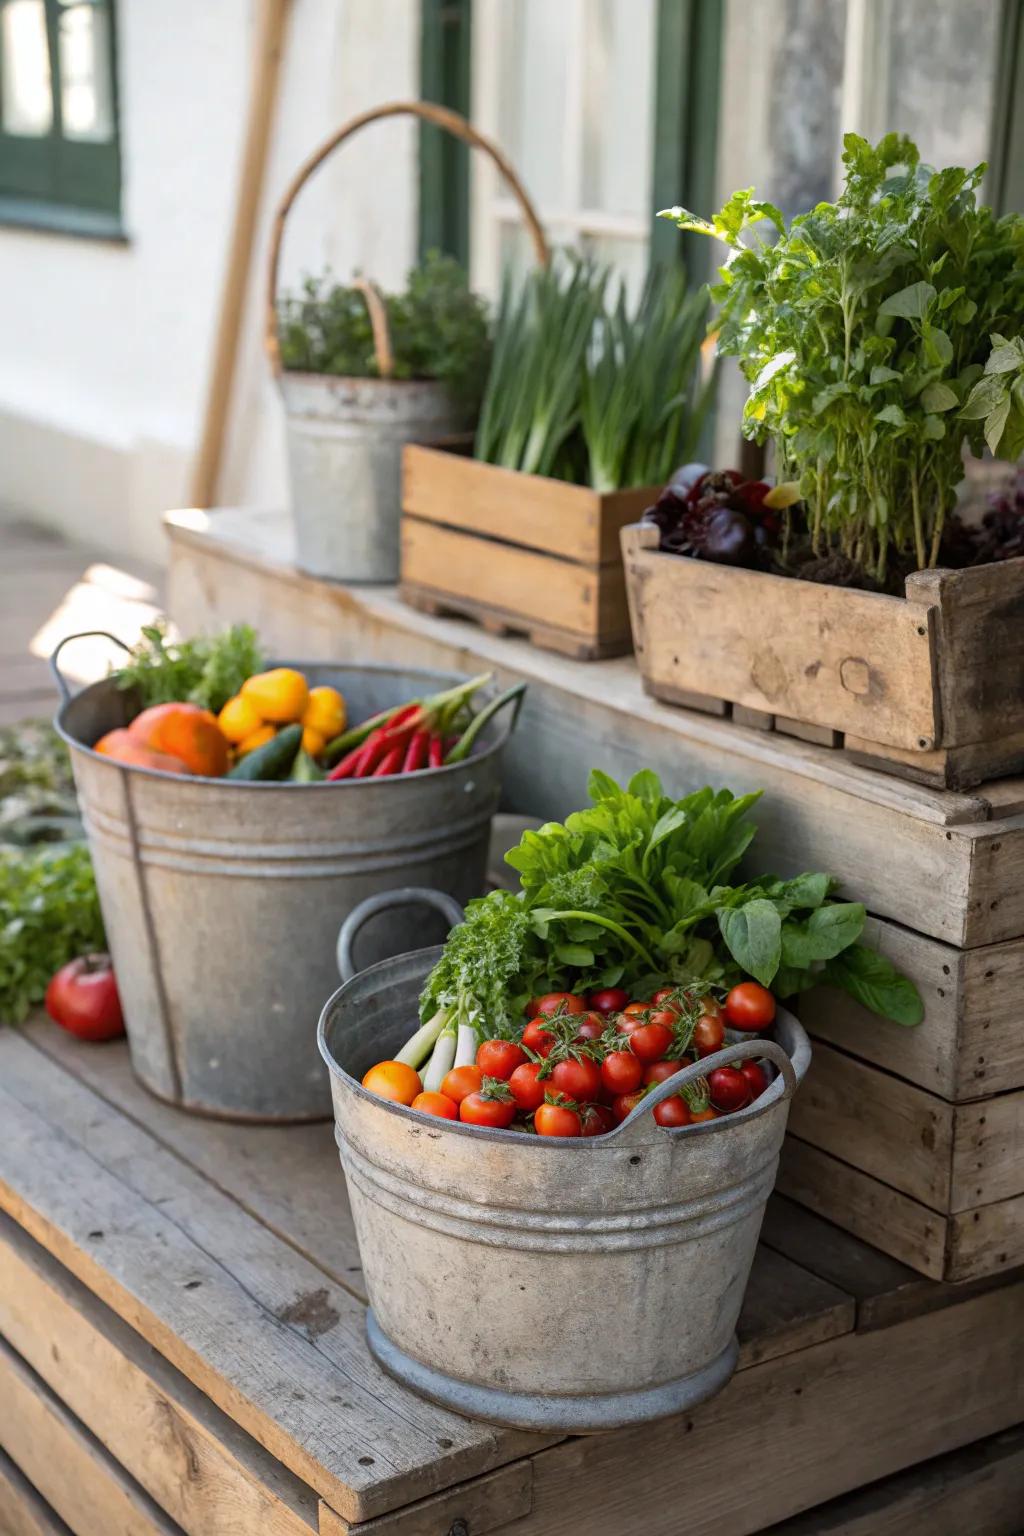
(206, 670)
(49, 913)
(584, 389)
(997, 400)
(439, 330)
(37, 792)
(633, 891)
(864, 329)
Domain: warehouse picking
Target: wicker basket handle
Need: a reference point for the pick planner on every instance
(428, 112)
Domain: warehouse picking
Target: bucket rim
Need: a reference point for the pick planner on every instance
(487, 748)
(799, 1052)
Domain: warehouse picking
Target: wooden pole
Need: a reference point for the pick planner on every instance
(266, 66)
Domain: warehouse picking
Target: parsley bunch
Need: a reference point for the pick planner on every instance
(207, 670)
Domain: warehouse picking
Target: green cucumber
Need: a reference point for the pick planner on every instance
(271, 761)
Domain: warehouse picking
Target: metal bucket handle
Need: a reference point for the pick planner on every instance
(741, 1051)
(407, 896)
(82, 634)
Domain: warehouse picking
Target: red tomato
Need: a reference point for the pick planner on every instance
(756, 1076)
(499, 1058)
(708, 1033)
(668, 995)
(672, 1112)
(626, 1103)
(577, 1079)
(485, 1108)
(636, 1010)
(658, 1071)
(82, 998)
(667, 1016)
(436, 1104)
(526, 1090)
(462, 1081)
(558, 1002)
(750, 1006)
(607, 1000)
(592, 1027)
(621, 1072)
(596, 1119)
(557, 1120)
(538, 1039)
(650, 1041)
(729, 1089)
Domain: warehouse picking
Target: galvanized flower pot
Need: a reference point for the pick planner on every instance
(550, 1284)
(222, 900)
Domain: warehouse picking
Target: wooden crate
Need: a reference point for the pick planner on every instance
(517, 553)
(930, 685)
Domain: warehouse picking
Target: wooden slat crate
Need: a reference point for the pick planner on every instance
(930, 685)
(518, 553)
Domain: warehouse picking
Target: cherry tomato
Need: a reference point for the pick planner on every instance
(558, 1002)
(499, 1058)
(636, 1010)
(592, 1027)
(621, 1072)
(650, 1041)
(577, 1079)
(708, 1033)
(436, 1104)
(756, 1076)
(461, 1081)
(596, 1119)
(538, 1039)
(626, 1103)
(393, 1080)
(729, 1089)
(668, 995)
(526, 1090)
(750, 1006)
(672, 1112)
(658, 1071)
(481, 1108)
(557, 1120)
(607, 1000)
(667, 1016)
(82, 998)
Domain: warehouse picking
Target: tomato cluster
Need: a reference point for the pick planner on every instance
(582, 1064)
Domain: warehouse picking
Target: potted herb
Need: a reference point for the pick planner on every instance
(589, 403)
(880, 337)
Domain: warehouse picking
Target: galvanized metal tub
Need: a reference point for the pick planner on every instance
(550, 1284)
(222, 900)
(345, 438)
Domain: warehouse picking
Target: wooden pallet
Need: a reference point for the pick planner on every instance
(181, 1305)
(500, 621)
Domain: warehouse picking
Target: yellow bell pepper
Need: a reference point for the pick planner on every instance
(325, 712)
(238, 719)
(259, 738)
(313, 741)
(279, 696)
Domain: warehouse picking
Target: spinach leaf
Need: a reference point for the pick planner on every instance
(753, 934)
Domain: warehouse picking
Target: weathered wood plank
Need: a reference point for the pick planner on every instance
(22, 1511)
(988, 1151)
(66, 1464)
(486, 1504)
(788, 1308)
(194, 1461)
(814, 1424)
(239, 1333)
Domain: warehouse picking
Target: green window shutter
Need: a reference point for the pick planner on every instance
(444, 161)
(1006, 160)
(688, 67)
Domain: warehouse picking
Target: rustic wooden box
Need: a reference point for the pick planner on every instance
(517, 553)
(930, 685)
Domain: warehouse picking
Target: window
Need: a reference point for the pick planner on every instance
(59, 153)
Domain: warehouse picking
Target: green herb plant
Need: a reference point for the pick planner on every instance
(634, 891)
(49, 913)
(865, 330)
(206, 670)
(439, 330)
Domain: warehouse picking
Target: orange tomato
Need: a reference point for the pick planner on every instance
(436, 1104)
(461, 1081)
(185, 731)
(123, 748)
(393, 1080)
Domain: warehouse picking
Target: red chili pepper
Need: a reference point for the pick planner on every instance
(435, 752)
(416, 756)
(391, 762)
(347, 767)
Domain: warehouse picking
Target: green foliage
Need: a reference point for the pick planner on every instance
(37, 793)
(864, 330)
(207, 670)
(439, 330)
(49, 913)
(582, 389)
(633, 891)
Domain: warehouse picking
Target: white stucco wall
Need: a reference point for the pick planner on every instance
(105, 349)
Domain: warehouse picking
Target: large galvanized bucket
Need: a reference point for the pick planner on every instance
(345, 440)
(550, 1284)
(222, 900)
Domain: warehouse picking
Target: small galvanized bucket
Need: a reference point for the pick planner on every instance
(550, 1284)
(345, 435)
(222, 900)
